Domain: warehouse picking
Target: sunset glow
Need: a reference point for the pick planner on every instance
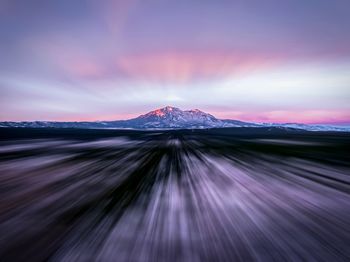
(259, 62)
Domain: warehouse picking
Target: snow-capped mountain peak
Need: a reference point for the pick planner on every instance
(163, 112)
(173, 117)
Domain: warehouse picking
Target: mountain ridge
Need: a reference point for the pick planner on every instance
(168, 117)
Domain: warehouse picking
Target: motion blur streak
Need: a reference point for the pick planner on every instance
(175, 196)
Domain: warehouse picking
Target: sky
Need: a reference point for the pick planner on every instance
(252, 60)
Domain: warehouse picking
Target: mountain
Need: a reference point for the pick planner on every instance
(163, 118)
(172, 117)
(169, 118)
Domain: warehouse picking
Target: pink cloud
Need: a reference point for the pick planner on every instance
(172, 66)
(188, 65)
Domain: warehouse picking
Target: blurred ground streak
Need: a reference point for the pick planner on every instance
(206, 195)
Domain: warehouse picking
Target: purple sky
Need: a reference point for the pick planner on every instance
(265, 61)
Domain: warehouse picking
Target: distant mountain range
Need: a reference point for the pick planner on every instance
(169, 118)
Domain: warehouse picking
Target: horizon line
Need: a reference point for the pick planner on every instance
(135, 115)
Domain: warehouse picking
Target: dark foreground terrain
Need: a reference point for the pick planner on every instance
(207, 195)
